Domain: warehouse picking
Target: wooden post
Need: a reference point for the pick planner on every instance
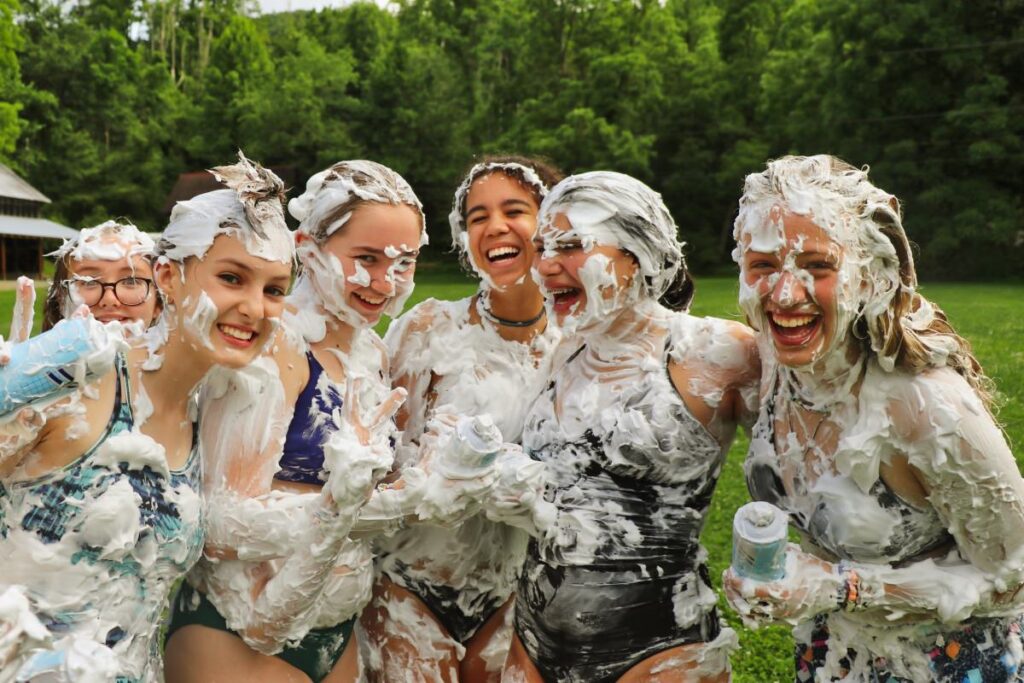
(39, 254)
(3, 258)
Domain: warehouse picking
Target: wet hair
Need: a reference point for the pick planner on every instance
(643, 227)
(53, 306)
(536, 175)
(333, 194)
(898, 325)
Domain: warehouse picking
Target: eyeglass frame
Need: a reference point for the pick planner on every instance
(113, 287)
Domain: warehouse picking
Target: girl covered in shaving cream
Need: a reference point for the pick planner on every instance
(632, 430)
(875, 434)
(99, 495)
(442, 604)
(297, 443)
(109, 268)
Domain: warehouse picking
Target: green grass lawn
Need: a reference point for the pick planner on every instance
(991, 316)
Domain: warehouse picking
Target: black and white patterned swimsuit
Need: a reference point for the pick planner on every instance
(875, 526)
(622, 576)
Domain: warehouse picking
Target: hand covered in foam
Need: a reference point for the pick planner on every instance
(810, 586)
(20, 629)
(459, 467)
(518, 495)
(21, 321)
(359, 453)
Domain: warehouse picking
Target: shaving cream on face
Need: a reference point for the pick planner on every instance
(456, 218)
(851, 211)
(110, 241)
(327, 206)
(615, 211)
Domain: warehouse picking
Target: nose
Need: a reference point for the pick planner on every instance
(547, 265)
(251, 305)
(496, 225)
(108, 298)
(383, 281)
(788, 290)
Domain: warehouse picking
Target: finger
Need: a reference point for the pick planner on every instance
(352, 402)
(388, 407)
(24, 310)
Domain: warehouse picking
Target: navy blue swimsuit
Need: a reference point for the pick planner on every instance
(303, 458)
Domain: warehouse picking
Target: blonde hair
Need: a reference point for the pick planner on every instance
(900, 326)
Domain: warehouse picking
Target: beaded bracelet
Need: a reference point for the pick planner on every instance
(851, 587)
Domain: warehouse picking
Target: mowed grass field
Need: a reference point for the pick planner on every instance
(991, 316)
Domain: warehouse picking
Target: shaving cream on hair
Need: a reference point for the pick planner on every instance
(456, 218)
(341, 189)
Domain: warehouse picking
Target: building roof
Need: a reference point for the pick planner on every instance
(20, 226)
(189, 185)
(13, 186)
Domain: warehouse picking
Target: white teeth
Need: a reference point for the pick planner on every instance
(502, 251)
(565, 290)
(236, 333)
(794, 321)
(372, 302)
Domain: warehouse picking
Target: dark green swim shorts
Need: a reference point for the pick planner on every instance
(315, 656)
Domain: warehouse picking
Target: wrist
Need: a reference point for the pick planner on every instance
(849, 598)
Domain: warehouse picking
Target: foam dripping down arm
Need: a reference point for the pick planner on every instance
(273, 603)
(963, 461)
(244, 420)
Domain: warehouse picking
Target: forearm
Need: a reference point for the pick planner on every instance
(272, 604)
(949, 590)
(261, 528)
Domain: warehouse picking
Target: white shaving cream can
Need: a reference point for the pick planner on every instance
(475, 445)
(759, 542)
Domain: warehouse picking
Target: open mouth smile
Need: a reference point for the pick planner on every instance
(502, 254)
(372, 303)
(236, 336)
(794, 329)
(565, 298)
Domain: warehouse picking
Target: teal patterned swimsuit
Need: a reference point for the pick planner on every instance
(96, 547)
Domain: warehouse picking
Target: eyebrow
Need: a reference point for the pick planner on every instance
(374, 250)
(236, 263)
(504, 204)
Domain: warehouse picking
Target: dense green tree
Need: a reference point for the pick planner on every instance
(10, 78)
(102, 103)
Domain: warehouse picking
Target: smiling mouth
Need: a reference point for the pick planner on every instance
(794, 329)
(564, 298)
(499, 254)
(371, 303)
(236, 335)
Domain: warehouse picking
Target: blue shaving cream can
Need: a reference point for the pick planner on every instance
(44, 367)
(759, 537)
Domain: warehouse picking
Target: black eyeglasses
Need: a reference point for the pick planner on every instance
(130, 291)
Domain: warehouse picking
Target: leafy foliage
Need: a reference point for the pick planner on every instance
(104, 102)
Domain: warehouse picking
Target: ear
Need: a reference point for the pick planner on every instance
(168, 278)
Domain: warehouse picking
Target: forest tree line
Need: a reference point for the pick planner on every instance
(104, 102)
